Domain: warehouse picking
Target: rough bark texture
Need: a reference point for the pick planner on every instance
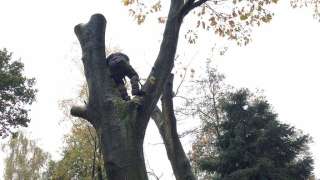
(122, 124)
(109, 114)
(167, 125)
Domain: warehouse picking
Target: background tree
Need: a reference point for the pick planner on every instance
(16, 91)
(81, 155)
(253, 144)
(25, 159)
(205, 105)
(313, 4)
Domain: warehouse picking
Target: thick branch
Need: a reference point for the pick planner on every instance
(191, 4)
(158, 118)
(166, 123)
(187, 7)
(198, 3)
(163, 64)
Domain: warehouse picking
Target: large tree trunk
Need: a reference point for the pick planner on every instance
(122, 124)
(114, 118)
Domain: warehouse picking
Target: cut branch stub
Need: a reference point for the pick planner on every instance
(79, 111)
(92, 34)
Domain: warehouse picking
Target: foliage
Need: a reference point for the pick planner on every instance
(25, 159)
(81, 156)
(240, 134)
(314, 4)
(226, 18)
(210, 91)
(16, 91)
(253, 144)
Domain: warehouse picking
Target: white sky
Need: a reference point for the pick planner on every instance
(282, 60)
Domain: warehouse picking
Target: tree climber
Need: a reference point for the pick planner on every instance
(120, 68)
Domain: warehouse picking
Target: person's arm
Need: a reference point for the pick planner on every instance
(134, 80)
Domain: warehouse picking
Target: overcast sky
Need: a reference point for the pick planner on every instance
(282, 60)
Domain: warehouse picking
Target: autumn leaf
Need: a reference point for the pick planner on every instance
(232, 24)
(267, 18)
(162, 20)
(244, 17)
(126, 2)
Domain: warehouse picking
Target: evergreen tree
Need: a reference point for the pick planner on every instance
(253, 144)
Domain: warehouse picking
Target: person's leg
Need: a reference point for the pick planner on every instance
(122, 89)
(134, 80)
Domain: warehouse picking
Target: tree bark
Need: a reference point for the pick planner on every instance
(122, 124)
(167, 125)
(106, 111)
(94, 159)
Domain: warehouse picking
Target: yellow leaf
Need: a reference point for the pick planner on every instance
(243, 17)
(126, 2)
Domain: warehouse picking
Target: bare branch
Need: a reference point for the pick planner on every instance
(218, 14)
(215, 125)
(157, 116)
(198, 3)
(91, 135)
(181, 82)
(152, 172)
(188, 132)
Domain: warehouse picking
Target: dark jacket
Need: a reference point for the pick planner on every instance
(119, 67)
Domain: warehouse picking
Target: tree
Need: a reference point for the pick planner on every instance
(81, 156)
(16, 91)
(232, 19)
(122, 124)
(314, 4)
(206, 104)
(25, 159)
(253, 144)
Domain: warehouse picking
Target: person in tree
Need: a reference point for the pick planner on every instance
(120, 68)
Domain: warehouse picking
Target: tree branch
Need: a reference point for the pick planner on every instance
(215, 124)
(162, 66)
(191, 4)
(79, 111)
(182, 80)
(167, 125)
(198, 3)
